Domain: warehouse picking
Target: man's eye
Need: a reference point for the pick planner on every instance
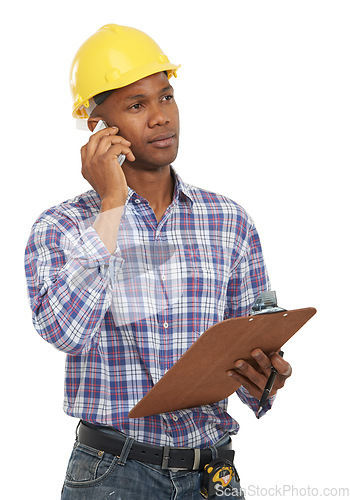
(136, 106)
(168, 97)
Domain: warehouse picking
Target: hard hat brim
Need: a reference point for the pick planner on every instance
(116, 81)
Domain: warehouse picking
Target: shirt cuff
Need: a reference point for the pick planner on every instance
(91, 253)
(91, 249)
(253, 403)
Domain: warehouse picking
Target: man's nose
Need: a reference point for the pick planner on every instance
(158, 116)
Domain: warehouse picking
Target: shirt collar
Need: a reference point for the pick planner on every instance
(181, 190)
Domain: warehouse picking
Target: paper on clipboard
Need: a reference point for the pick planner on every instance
(200, 377)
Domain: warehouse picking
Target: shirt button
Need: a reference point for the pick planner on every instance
(175, 418)
(137, 201)
(163, 277)
(165, 325)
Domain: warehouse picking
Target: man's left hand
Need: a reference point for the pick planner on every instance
(254, 380)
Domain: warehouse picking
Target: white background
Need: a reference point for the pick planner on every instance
(263, 92)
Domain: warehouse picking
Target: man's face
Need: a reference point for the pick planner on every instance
(147, 115)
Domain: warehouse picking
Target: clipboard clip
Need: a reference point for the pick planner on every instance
(266, 303)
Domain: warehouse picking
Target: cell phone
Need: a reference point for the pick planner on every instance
(101, 124)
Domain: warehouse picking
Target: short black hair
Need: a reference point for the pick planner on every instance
(99, 98)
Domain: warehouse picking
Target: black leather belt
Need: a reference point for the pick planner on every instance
(165, 456)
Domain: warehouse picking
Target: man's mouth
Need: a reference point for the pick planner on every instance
(163, 140)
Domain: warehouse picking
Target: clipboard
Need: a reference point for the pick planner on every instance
(199, 377)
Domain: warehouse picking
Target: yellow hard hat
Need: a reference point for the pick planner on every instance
(113, 57)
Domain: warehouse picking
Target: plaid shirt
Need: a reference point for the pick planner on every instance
(124, 319)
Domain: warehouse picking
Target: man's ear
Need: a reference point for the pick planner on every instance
(92, 122)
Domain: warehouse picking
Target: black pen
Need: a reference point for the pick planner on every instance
(268, 387)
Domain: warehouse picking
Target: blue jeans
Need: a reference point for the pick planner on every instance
(96, 475)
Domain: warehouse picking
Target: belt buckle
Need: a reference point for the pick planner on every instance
(166, 458)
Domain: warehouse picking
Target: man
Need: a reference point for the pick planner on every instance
(125, 277)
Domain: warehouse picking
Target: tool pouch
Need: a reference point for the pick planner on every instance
(216, 478)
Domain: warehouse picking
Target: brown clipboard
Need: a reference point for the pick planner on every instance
(200, 377)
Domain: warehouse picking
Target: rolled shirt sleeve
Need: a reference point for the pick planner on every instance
(248, 278)
(70, 278)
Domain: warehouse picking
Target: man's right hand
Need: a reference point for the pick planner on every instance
(101, 168)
